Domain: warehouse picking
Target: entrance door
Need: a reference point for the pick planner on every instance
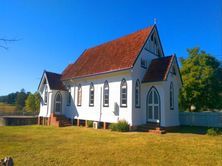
(58, 103)
(153, 106)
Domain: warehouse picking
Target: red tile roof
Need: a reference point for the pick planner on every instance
(158, 69)
(54, 81)
(115, 55)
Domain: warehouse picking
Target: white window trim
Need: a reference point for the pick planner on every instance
(105, 88)
(79, 95)
(91, 89)
(46, 94)
(121, 93)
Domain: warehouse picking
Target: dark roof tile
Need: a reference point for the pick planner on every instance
(115, 55)
(54, 81)
(158, 69)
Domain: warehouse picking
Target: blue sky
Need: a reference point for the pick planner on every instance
(53, 33)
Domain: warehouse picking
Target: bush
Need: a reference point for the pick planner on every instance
(121, 126)
(89, 123)
(213, 131)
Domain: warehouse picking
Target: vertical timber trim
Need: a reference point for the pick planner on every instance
(104, 125)
(49, 119)
(77, 122)
(38, 120)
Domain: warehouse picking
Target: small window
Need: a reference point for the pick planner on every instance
(171, 96)
(143, 63)
(79, 96)
(69, 97)
(91, 95)
(106, 94)
(123, 93)
(46, 94)
(137, 94)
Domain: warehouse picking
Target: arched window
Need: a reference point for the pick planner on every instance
(69, 97)
(79, 96)
(137, 94)
(171, 96)
(91, 95)
(123, 93)
(46, 94)
(58, 103)
(106, 94)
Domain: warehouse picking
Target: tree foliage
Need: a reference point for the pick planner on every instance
(202, 81)
(37, 101)
(32, 102)
(20, 99)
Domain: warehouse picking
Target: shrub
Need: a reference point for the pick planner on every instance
(121, 126)
(90, 123)
(213, 131)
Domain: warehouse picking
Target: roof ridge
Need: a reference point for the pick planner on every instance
(51, 72)
(121, 37)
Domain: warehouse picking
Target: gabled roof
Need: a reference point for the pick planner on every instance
(158, 69)
(54, 81)
(115, 55)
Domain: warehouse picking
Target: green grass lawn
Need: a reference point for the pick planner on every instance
(41, 145)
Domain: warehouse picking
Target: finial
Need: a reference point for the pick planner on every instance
(155, 20)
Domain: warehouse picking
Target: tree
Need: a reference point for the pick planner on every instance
(20, 99)
(202, 81)
(32, 102)
(37, 101)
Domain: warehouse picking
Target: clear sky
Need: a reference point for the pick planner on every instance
(53, 33)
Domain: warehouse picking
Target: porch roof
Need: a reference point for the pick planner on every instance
(54, 81)
(158, 69)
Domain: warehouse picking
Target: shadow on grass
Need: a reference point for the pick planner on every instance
(190, 130)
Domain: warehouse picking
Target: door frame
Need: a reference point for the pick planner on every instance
(58, 113)
(147, 106)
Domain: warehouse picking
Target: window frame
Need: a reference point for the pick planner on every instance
(138, 97)
(69, 97)
(79, 95)
(145, 63)
(105, 85)
(171, 96)
(46, 95)
(123, 83)
(58, 102)
(91, 89)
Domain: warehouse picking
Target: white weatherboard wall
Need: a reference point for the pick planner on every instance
(44, 108)
(171, 116)
(139, 114)
(143, 112)
(98, 112)
(134, 116)
(47, 108)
